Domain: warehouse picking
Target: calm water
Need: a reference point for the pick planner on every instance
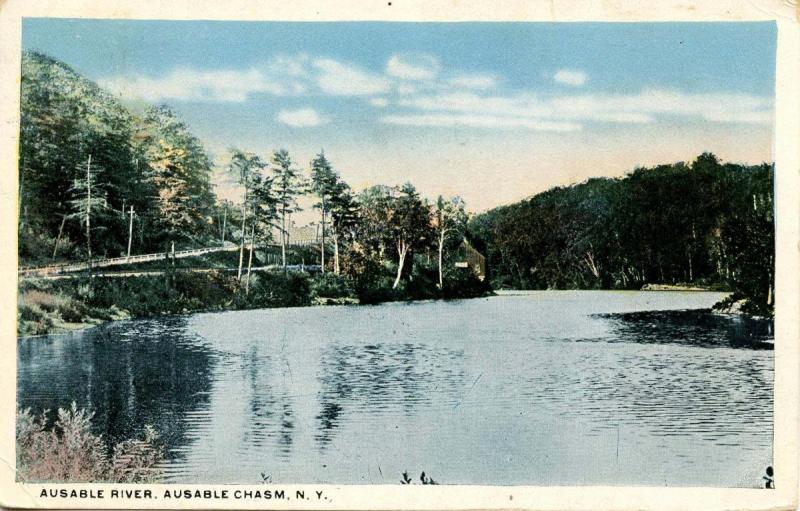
(545, 388)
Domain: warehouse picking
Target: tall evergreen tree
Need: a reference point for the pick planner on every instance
(324, 181)
(289, 184)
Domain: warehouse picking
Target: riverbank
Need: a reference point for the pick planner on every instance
(60, 306)
(677, 287)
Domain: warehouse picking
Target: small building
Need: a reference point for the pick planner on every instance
(468, 257)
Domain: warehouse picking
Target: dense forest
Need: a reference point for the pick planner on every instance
(98, 179)
(702, 223)
(84, 155)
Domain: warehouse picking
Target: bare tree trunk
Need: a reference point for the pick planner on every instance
(250, 259)
(441, 250)
(402, 249)
(590, 262)
(241, 244)
(130, 233)
(283, 237)
(322, 245)
(224, 223)
(336, 253)
(769, 284)
(58, 239)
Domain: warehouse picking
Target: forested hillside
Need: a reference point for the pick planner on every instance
(702, 223)
(98, 180)
(81, 149)
(87, 163)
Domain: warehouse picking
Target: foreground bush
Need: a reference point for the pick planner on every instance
(70, 452)
(329, 285)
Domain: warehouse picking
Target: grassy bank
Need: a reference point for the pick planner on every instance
(58, 306)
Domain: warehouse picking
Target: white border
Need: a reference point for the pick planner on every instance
(787, 157)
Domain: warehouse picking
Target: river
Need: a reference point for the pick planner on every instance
(538, 388)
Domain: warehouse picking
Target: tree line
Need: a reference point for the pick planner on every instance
(96, 178)
(703, 223)
(87, 165)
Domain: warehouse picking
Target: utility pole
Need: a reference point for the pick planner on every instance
(130, 233)
(224, 222)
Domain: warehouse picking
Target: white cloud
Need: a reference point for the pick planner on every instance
(714, 107)
(413, 67)
(406, 89)
(295, 66)
(570, 77)
(644, 107)
(189, 84)
(302, 118)
(340, 79)
(477, 81)
(479, 121)
(379, 102)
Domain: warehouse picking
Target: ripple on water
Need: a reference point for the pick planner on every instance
(558, 388)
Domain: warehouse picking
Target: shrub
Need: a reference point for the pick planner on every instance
(30, 312)
(277, 289)
(135, 461)
(463, 283)
(70, 452)
(329, 285)
(73, 311)
(47, 301)
(422, 283)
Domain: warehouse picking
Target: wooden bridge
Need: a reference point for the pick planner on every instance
(61, 268)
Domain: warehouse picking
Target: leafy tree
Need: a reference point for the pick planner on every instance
(264, 202)
(247, 168)
(344, 219)
(65, 117)
(450, 222)
(179, 176)
(289, 185)
(409, 224)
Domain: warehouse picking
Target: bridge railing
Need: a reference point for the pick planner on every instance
(60, 268)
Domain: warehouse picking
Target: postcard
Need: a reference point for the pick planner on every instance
(400, 256)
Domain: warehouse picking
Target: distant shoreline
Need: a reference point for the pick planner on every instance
(67, 328)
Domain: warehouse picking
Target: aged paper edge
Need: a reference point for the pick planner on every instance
(787, 157)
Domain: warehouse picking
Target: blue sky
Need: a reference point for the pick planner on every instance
(493, 112)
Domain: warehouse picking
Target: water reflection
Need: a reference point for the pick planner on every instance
(670, 392)
(692, 327)
(270, 418)
(383, 379)
(129, 373)
(551, 388)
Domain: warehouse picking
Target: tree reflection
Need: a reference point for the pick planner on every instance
(382, 379)
(129, 373)
(271, 418)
